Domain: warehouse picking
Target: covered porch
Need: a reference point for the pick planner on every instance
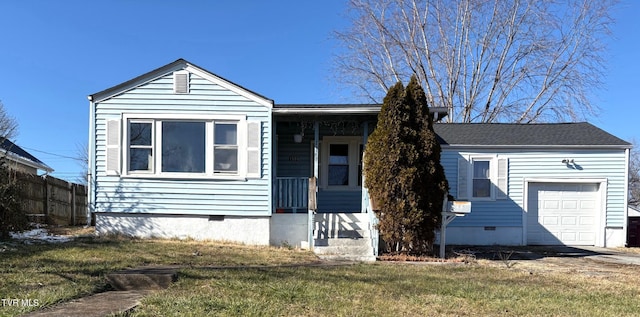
(326, 143)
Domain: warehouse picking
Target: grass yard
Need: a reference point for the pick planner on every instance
(53, 273)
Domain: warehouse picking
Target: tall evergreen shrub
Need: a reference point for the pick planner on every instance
(403, 171)
(12, 218)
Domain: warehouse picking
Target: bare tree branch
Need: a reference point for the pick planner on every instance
(485, 60)
(8, 125)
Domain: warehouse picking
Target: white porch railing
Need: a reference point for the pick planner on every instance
(292, 193)
(373, 221)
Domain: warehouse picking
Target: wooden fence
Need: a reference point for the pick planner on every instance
(54, 201)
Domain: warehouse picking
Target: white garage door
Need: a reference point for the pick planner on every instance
(562, 214)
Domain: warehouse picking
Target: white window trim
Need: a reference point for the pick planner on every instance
(126, 146)
(209, 120)
(493, 177)
(354, 143)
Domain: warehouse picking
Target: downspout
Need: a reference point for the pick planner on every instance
(625, 222)
(91, 175)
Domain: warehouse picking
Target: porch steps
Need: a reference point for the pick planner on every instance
(343, 237)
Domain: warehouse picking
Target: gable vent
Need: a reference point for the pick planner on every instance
(181, 82)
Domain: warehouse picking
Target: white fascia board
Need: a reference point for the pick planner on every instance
(24, 161)
(536, 147)
(337, 110)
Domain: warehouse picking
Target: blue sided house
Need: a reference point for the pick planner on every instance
(181, 152)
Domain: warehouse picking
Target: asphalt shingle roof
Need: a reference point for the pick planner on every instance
(540, 134)
(16, 150)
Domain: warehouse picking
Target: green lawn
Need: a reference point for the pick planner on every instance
(273, 287)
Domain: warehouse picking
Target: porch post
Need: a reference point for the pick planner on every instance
(311, 212)
(365, 137)
(316, 143)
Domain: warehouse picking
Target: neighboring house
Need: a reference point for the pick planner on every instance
(182, 152)
(20, 160)
(633, 226)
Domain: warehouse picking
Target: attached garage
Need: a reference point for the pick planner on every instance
(563, 213)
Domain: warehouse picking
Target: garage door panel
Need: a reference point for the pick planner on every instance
(549, 220)
(569, 204)
(551, 204)
(569, 220)
(562, 214)
(587, 204)
(587, 220)
(568, 236)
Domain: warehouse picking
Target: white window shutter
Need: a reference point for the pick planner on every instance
(502, 190)
(463, 179)
(181, 82)
(254, 145)
(113, 147)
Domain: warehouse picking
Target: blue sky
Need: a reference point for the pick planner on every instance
(55, 53)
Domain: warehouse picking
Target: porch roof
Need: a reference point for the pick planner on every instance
(326, 109)
(341, 109)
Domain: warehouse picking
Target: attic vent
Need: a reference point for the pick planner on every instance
(181, 82)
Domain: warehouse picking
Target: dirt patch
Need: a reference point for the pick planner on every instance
(71, 231)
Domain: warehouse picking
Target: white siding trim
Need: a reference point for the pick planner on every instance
(625, 222)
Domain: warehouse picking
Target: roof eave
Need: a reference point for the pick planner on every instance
(22, 160)
(176, 65)
(337, 110)
(536, 147)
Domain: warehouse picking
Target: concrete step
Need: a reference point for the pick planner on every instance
(145, 278)
(342, 225)
(348, 234)
(344, 249)
(341, 217)
(342, 242)
(347, 258)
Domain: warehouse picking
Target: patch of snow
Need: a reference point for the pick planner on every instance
(38, 235)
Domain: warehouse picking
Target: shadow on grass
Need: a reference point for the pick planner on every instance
(527, 252)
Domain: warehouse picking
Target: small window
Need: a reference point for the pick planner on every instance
(338, 164)
(225, 148)
(481, 179)
(140, 146)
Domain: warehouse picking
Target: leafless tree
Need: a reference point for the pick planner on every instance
(634, 175)
(82, 158)
(8, 125)
(484, 60)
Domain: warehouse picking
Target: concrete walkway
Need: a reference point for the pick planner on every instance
(130, 287)
(98, 305)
